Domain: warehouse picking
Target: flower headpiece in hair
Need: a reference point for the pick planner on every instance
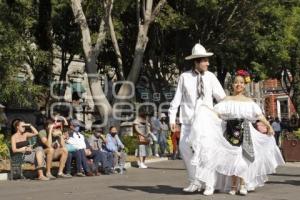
(244, 74)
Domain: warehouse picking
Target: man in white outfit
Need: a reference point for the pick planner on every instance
(194, 86)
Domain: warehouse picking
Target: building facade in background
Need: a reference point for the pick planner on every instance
(277, 102)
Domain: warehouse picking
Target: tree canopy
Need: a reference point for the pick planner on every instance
(261, 36)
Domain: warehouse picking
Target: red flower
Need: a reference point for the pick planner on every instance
(242, 72)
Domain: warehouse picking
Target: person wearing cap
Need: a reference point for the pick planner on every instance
(77, 140)
(196, 85)
(97, 142)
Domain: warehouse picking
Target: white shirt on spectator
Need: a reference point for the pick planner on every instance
(77, 140)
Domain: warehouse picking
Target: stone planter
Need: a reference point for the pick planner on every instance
(4, 170)
(291, 148)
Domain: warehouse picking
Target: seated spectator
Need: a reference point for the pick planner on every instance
(66, 136)
(97, 143)
(72, 151)
(97, 158)
(20, 144)
(115, 146)
(52, 140)
(77, 140)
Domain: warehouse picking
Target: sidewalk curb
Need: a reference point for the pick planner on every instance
(292, 164)
(134, 163)
(4, 176)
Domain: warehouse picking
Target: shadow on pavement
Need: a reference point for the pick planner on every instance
(287, 182)
(158, 189)
(164, 168)
(280, 174)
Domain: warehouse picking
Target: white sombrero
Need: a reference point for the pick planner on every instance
(199, 51)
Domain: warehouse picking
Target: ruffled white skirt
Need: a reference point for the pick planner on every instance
(213, 153)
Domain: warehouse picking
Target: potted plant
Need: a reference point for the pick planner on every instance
(4, 158)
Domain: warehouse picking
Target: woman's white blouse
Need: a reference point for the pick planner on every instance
(228, 109)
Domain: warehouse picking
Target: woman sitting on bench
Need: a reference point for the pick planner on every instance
(20, 144)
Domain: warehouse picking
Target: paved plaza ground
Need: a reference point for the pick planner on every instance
(163, 180)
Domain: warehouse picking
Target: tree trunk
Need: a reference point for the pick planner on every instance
(99, 98)
(63, 74)
(296, 89)
(43, 34)
(91, 54)
(63, 71)
(140, 47)
(221, 71)
(65, 63)
(117, 49)
(141, 44)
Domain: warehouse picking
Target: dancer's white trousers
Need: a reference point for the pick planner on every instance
(186, 152)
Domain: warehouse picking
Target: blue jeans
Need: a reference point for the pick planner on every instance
(81, 161)
(110, 158)
(100, 157)
(162, 142)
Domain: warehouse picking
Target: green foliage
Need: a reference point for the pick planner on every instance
(261, 36)
(4, 151)
(17, 27)
(87, 133)
(170, 19)
(297, 133)
(66, 32)
(130, 143)
(16, 94)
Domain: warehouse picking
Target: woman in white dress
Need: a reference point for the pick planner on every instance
(224, 141)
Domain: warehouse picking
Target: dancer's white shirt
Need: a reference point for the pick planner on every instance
(186, 95)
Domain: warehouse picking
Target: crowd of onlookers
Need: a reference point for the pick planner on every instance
(283, 126)
(98, 153)
(153, 132)
(61, 140)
